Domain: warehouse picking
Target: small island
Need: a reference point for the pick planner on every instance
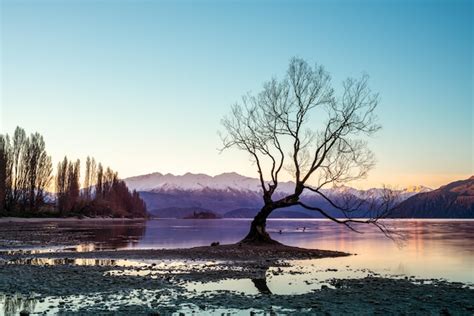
(202, 215)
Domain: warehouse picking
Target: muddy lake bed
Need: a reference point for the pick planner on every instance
(132, 267)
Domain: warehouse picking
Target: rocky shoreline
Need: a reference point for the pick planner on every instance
(144, 282)
(240, 252)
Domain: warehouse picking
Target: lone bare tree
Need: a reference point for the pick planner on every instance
(278, 128)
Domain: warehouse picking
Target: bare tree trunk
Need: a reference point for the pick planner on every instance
(258, 233)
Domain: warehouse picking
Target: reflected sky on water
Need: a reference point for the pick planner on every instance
(432, 248)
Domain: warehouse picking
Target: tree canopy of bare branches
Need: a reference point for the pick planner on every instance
(302, 126)
(25, 171)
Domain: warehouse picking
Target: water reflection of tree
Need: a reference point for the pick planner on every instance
(260, 281)
(14, 304)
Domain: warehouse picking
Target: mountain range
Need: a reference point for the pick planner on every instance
(198, 181)
(237, 196)
(454, 200)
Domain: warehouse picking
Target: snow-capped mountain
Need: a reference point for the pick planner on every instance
(417, 189)
(192, 182)
(226, 192)
(236, 182)
(413, 190)
(403, 193)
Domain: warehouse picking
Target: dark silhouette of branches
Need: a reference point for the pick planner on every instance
(278, 128)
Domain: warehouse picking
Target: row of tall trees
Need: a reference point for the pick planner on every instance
(103, 193)
(25, 171)
(26, 183)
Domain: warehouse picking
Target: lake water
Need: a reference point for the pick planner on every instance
(431, 249)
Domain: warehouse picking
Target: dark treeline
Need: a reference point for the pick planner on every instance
(27, 183)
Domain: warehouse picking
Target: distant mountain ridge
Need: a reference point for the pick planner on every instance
(454, 200)
(198, 181)
(228, 194)
(230, 181)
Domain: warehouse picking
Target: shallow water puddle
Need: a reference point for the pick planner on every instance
(158, 263)
(137, 267)
(147, 269)
(188, 309)
(30, 251)
(243, 286)
(14, 304)
(169, 302)
(84, 247)
(76, 261)
(299, 277)
(284, 285)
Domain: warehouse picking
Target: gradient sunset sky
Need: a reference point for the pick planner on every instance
(142, 85)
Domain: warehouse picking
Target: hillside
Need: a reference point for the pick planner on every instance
(454, 200)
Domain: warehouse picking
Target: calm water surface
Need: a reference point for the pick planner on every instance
(432, 248)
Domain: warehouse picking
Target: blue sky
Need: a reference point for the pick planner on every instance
(142, 85)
